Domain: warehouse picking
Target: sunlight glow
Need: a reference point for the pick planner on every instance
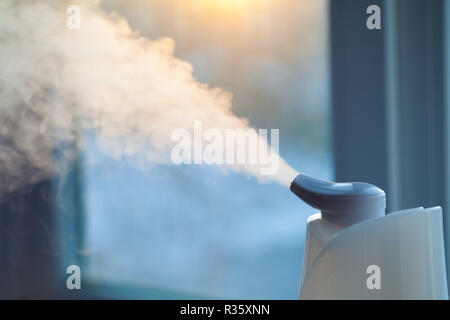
(230, 5)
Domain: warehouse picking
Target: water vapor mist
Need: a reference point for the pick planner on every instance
(103, 78)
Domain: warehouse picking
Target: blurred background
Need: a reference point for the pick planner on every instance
(352, 104)
(192, 229)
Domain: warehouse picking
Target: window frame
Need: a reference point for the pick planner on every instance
(397, 80)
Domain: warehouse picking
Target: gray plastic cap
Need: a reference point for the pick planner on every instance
(341, 203)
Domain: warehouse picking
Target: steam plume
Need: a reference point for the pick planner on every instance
(103, 78)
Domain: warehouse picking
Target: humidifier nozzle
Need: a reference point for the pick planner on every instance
(341, 203)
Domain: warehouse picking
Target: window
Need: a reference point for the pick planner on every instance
(192, 231)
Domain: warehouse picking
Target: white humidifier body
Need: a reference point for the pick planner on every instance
(354, 251)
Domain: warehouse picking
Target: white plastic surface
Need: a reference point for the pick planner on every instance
(407, 247)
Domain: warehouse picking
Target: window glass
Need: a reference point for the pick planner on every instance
(195, 229)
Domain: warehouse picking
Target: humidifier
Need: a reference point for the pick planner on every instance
(354, 251)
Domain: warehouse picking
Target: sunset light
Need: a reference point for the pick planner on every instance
(236, 6)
